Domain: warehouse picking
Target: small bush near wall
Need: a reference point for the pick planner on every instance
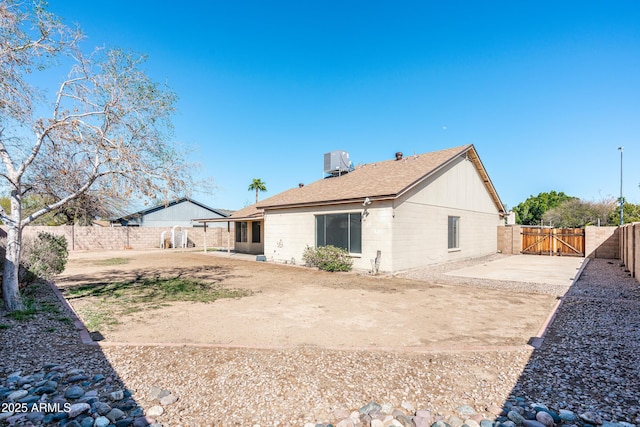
(42, 257)
(327, 258)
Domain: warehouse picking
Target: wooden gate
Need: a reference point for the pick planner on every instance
(553, 241)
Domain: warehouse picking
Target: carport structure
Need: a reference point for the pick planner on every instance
(248, 224)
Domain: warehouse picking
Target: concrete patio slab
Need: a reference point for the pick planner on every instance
(553, 270)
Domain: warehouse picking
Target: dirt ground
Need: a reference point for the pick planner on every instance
(293, 306)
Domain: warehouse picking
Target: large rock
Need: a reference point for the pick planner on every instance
(157, 393)
(369, 407)
(591, 418)
(465, 411)
(545, 418)
(74, 392)
(516, 417)
(125, 422)
(77, 409)
(532, 423)
(116, 395)
(18, 394)
(155, 411)
(170, 399)
(115, 414)
(101, 422)
(568, 416)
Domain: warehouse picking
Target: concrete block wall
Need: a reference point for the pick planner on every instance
(636, 251)
(509, 239)
(602, 242)
(113, 238)
(629, 247)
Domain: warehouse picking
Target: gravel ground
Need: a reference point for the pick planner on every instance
(589, 361)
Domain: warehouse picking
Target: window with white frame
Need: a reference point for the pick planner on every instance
(454, 232)
(340, 230)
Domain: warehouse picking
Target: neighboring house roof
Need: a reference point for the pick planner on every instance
(250, 213)
(221, 212)
(225, 212)
(378, 181)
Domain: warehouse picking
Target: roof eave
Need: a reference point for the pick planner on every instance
(487, 181)
(229, 219)
(330, 202)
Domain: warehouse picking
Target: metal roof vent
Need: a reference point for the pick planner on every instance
(337, 163)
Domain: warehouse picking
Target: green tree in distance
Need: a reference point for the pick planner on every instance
(531, 210)
(257, 185)
(630, 212)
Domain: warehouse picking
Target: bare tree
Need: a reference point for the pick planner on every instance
(84, 210)
(576, 213)
(107, 130)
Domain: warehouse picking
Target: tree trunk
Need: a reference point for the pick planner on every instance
(10, 286)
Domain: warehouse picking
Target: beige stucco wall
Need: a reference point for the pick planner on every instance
(409, 232)
(289, 231)
(420, 234)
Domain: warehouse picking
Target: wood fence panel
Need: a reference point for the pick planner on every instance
(553, 241)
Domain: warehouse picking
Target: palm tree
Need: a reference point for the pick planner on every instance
(257, 185)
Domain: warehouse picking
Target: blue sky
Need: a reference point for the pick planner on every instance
(546, 91)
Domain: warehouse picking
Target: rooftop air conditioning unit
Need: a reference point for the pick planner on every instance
(337, 162)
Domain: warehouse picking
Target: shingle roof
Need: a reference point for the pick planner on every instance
(221, 212)
(245, 214)
(377, 181)
(250, 212)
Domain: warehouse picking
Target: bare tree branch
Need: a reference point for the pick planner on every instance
(109, 134)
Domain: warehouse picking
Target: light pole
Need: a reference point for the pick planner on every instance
(621, 199)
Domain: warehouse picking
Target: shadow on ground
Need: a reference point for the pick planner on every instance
(589, 361)
(49, 377)
(210, 273)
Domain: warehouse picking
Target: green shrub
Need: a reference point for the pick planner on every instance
(45, 256)
(309, 257)
(327, 258)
